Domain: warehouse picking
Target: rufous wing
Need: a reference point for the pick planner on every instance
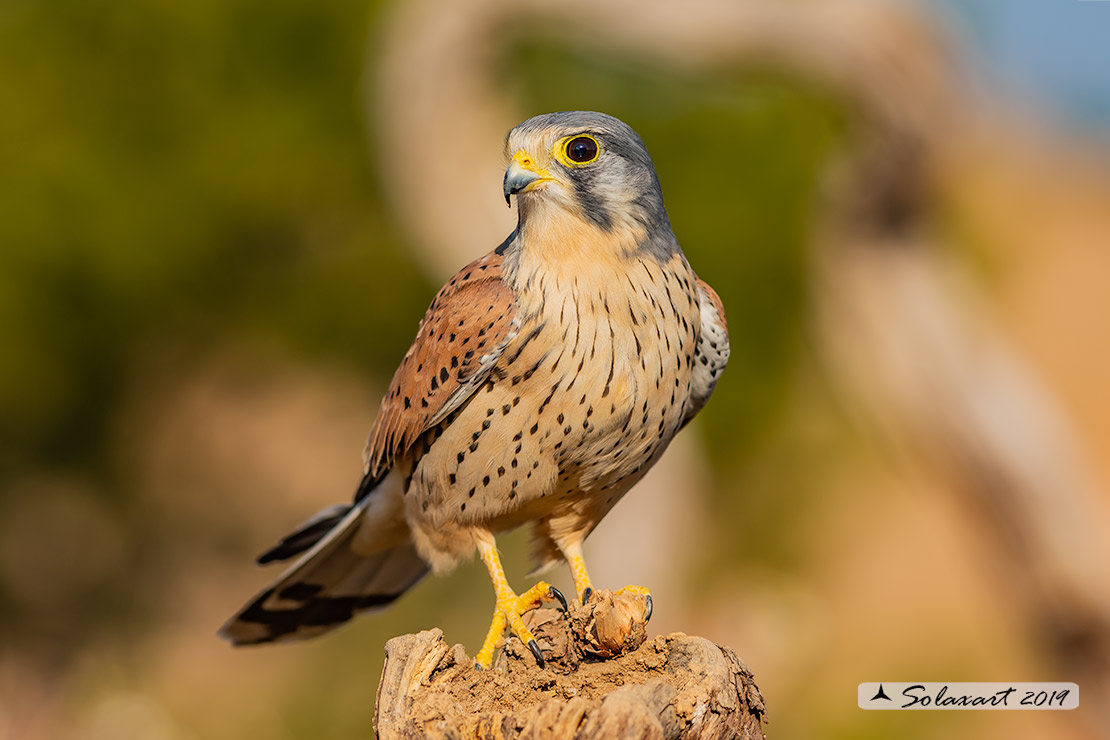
(464, 332)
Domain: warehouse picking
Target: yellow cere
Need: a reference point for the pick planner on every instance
(525, 160)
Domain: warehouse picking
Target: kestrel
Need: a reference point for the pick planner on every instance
(546, 378)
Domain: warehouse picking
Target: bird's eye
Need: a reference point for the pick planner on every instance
(582, 149)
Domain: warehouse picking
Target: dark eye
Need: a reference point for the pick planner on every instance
(582, 149)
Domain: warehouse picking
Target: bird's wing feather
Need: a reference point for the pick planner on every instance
(462, 335)
(711, 352)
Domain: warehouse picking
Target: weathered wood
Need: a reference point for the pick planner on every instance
(603, 679)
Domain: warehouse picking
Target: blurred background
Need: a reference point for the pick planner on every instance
(221, 222)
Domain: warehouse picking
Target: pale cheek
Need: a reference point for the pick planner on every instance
(562, 195)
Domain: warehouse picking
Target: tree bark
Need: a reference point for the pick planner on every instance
(603, 679)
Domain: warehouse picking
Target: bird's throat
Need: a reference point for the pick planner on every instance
(557, 242)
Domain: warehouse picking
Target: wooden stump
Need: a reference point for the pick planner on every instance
(603, 679)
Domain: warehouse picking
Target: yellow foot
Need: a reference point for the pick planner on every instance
(639, 591)
(508, 611)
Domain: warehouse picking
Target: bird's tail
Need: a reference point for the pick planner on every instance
(333, 580)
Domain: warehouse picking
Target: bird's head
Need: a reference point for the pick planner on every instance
(587, 165)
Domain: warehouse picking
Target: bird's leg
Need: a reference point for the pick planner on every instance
(573, 553)
(510, 607)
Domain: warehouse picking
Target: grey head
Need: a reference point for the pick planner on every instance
(591, 163)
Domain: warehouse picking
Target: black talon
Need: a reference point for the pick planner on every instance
(587, 594)
(477, 666)
(536, 651)
(647, 611)
(558, 596)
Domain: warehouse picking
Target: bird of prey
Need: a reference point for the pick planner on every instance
(546, 378)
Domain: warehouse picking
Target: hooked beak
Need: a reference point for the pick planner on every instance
(522, 175)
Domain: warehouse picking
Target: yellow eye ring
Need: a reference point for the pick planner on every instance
(577, 150)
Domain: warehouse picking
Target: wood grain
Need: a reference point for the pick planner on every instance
(667, 687)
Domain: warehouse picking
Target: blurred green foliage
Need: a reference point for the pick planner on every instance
(181, 173)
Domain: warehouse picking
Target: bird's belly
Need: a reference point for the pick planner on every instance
(643, 415)
(571, 419)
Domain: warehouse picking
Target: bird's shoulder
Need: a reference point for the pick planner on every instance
(463, 333)
(711, 351)
(711, 303)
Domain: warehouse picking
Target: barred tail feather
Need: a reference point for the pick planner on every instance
(307, 535)
(336, 579)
